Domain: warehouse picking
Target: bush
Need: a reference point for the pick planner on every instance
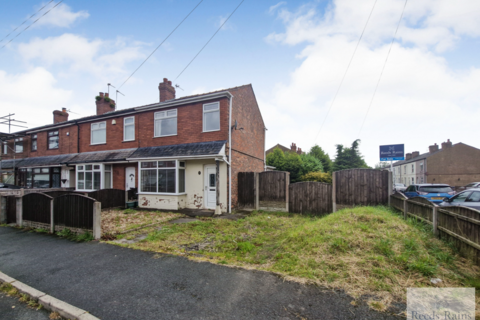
(98, 98)
(318, 176)
(107, 99)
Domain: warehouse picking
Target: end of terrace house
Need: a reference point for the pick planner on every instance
(178, 153)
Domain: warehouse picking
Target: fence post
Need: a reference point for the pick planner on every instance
(257, 191)
(287, 189)
(126, 198)
(390, 187)
(52, 219)
(435, 220)
(3, 209)
(405, 209)
(97, 220)
(334, 194)
(19, 203)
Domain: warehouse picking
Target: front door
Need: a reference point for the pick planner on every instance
(129, 178)
(210, 187)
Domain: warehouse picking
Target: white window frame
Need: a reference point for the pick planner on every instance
(129, 124)
(159, 117)
(177, 184)
(208, 111)
(15, 145)
(91, 132)
(5, 148)
(82, 168)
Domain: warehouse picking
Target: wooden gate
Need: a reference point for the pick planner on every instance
(74, 211)
(36, 207)
(273, 190)
(310, 197)
(11, 206)
(246, 190)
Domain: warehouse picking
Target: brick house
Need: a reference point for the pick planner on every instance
(454, 164)
(293, 148)
(176, 152)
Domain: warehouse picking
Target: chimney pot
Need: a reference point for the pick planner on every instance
(64, 109)
(101, 94)
(60, 116)
(433, 148)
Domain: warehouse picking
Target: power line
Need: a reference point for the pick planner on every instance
(209, 40)
(348, 66)
(161, 44)
(26, 20)
(31, 24)
(383, 68)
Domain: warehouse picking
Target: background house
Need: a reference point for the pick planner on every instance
(179, 153)
(293, 148)
(454, 164)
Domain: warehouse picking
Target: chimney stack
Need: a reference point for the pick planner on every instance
(167, 91)
(408, 156)
(415, 154)
(447, 144)
(293, 147)
(433, 148)
(104, 103)
(299, 151)
(60, 116)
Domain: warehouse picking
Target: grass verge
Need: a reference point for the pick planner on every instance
(366, 251)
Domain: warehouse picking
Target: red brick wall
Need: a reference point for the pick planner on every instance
(119, 174)
(248, 144)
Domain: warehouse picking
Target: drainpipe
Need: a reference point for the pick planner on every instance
(78, 137)
(230, 158)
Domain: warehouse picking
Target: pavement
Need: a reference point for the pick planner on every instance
(112, 282)
(12, 309)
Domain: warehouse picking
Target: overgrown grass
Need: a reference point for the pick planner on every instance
(367, 251)
(67, 233)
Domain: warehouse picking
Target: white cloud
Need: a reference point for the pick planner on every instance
(29, 94)
(420, 100)
(60, 16)
(273, 8)
(76, 54)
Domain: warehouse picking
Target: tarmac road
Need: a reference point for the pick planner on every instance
(117, 283)
(21, 311)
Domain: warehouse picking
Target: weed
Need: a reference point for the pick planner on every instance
(54, 316)
(24, 297)
(42, 230)
(222, 262)
(245, 247)
(65, 233)
(129, 211)
(85, 237)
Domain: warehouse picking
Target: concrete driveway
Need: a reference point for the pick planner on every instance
(119, 283)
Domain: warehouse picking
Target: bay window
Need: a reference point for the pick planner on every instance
(89, 177)
(162, 177)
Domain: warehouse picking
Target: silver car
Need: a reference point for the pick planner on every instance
(468, 198)
(399, 187)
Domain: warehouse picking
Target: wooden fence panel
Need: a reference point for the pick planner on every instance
(110, 198)
(36, 207)
(11, 206)
(461, 225)
(55, 194)
(361, 187)
(74, 211)
(421, 207)
(246, 189)
(397, 199)
(310, 197)
(272, 186)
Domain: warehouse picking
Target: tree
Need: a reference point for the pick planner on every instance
(349, 158)
(318, 153)
(310, 164)
(318, 176)
(293, 164)
(276, 159)
(382, 165)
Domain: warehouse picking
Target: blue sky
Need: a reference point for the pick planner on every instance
(294, 53)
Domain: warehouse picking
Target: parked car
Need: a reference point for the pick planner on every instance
(432, 192)
(8, 186)
(468, 198)
(472, 185)
(399, 187)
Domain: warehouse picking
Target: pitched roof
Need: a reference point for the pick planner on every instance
(180, 150)
(278, 145)
(101, 156)
(419, 157)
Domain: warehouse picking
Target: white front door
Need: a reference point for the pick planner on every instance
(210, 187)
(129, 178)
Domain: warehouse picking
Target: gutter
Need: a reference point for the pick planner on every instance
(230, 156)
(210, 156)
(179, 102)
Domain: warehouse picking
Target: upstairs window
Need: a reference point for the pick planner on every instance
(34, 142)
(53, 139)
(5, 148)
(211, 117)
(166, 123)
(413, 168)
(18, 145)
(99, 133)
(129, 129)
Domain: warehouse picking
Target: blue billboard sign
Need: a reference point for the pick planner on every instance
(392, 152)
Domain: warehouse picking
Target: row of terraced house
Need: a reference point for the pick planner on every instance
(178, 153)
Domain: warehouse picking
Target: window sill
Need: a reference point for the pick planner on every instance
(162, 194)
(170, 135)
(53, 148)
(128, 140)
(210, 131)
(96, 144)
